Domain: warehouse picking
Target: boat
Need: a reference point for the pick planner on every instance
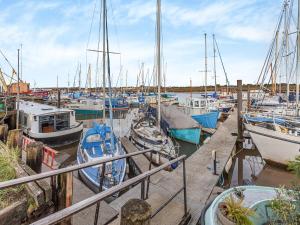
(118, 103)
(257, 198)
(86, 107)
(99, 142)
(145, 132)
(202, 110)
(177, 124)
(276, 143)
(53, 126)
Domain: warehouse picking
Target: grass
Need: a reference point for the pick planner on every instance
(8, 159)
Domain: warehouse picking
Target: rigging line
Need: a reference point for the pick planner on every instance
(7, 60)
(89, 36)
(272, 44)
(227, 81)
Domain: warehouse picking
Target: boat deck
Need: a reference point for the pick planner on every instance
(200, 180)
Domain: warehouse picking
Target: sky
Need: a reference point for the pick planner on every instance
(55, 36)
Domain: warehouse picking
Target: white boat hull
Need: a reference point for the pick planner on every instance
(274, 146)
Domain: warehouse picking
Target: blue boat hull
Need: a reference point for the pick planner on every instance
(191, 135)
(207, 120)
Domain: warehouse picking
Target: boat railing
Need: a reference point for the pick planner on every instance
(143, 179)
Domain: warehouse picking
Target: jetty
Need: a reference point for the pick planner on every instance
(199, 178)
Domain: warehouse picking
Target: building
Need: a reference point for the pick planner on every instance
(24, 88)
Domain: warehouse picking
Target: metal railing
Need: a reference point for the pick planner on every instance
(97, 198)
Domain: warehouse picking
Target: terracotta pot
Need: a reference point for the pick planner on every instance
(223, 219)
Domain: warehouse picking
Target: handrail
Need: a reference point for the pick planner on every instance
(23, 180)
(67, 212)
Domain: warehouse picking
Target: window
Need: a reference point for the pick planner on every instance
(46, 124)
(196, 103)
(62, 121)
(191, 104)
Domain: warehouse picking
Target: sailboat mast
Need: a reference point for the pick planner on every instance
(205, 71)
(286, 32)
(103, 55)
(158, 23)
(298, 61)
(215, 72)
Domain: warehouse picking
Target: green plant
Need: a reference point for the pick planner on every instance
(286, 207)
(295, 166)
(235, 211)
(8, 159)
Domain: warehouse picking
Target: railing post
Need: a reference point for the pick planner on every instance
(143, 189)
(148, 179)
(101, 180)
(184, 186)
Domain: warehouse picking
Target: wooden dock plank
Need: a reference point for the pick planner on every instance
(81, 192)
(200, 180)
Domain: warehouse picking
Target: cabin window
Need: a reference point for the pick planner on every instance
(202, 103)
(191, 104)
(47, 124)
(196, 103)
(62, 121)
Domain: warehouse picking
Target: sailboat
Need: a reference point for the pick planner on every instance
(277, 136)
(146, 132)
(100, 142)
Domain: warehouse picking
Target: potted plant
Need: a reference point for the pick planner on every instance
(232, 212)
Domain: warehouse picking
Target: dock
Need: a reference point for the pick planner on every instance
(200, 179)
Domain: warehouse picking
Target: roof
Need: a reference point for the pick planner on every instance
(34, 108)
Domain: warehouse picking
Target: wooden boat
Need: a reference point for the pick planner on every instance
(53, 126)
(144, 134)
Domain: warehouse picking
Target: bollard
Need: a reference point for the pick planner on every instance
(214, 157)
(3, 132)
(64, 194)
(136, 212)
(14, 139)
(34, 156)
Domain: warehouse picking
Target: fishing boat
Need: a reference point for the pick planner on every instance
(53, 126)
(257, 198)
(99, 142)
(203, 111)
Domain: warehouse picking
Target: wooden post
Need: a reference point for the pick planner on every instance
(136, 212)
(3, 132)
(239, 114)
(240, 169)
(64, 194)
(34, 156)
(14, 139)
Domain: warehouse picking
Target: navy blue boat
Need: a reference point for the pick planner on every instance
(117, 104)
(97, 143)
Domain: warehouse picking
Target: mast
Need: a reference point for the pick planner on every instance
(158, 52)
(298, 61)
(286, 34)
(103, 55)
(215, 72)
(18, 92)
(205, 71)
(79, 77)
